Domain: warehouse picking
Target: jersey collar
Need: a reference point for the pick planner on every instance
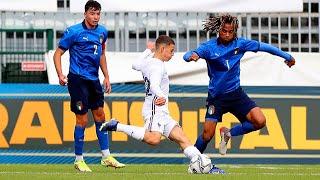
(85, 27)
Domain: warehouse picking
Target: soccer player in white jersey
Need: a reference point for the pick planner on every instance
(155, 112)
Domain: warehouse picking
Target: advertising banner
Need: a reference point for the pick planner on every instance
(42, 121)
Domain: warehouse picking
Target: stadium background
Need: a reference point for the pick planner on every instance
(36, 124)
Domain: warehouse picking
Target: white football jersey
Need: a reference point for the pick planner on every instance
(156, 81)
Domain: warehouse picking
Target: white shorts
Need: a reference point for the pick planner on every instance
(160, 122)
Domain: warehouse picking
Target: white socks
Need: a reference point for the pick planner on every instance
(133, 131)
(105, 153)
(191, 151)
(79, 158)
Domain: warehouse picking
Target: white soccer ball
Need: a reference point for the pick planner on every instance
(200, 164)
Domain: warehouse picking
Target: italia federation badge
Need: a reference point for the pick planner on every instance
(79, 105)
(211, 109)
(101, 38)
(236, 51)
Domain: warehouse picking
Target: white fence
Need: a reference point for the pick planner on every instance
(257, 69)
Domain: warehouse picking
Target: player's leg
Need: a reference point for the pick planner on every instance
(96, 102)
(150, 136)
(252, 121)
(213, 115)
(177, 135)
(209, 128)
(133, 131)
(81, 123)
(78, 105)
(257, 118)
(106, 160)
(250, 116)
(99, 118)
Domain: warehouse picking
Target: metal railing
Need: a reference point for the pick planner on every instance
(128, 32)
(23, 45)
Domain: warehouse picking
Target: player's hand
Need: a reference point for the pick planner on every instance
(151, 46)
(194, 57)
(160, 101)
(63, 80)
(107, 86)
(291, 62)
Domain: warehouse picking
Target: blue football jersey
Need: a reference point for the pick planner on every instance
(85, 48)
(223, 61)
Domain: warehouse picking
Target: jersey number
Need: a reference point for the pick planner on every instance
(95, 49)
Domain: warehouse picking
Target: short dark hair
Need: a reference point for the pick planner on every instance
(92, 4)
(163, 39)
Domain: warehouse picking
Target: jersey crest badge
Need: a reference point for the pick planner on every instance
(236, 51)
(79, 105)
(211, 109)
(101, 38)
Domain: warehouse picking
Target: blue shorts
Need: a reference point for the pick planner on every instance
(236, 102)
(85, 94)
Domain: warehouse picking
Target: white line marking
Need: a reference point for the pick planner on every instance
(173, 155)
(204, 95)
(159, 173)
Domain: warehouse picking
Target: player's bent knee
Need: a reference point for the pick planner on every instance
(152, 141)
(152, 138)
(82, 123)
(260, 123)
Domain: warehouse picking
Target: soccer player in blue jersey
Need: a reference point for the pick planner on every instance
(223, 55)
(86, 44)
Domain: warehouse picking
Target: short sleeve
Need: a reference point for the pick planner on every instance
(67, 39)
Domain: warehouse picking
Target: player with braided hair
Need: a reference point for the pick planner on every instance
(222, 55)
(215, 23)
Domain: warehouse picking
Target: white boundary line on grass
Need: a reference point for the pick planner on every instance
(204, 95)
(170, 155)
(160, 173)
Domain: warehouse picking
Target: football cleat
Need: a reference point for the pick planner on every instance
(216, 170)
(81, 166)
(111, 162)
(224, 140)
(109, 125)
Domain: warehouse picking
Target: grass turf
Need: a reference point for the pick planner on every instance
(157, 171)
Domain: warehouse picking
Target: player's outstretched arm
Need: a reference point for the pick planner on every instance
(191, 56)
(289, 60)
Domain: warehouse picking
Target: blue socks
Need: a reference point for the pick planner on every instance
(78, 140)
(242, 128)
(201, 144)
(102, 137)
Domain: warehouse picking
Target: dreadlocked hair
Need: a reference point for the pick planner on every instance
(215, 23)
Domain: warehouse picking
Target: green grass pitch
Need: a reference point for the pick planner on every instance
(157, 171)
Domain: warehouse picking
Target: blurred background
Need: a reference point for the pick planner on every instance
(35, 120)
